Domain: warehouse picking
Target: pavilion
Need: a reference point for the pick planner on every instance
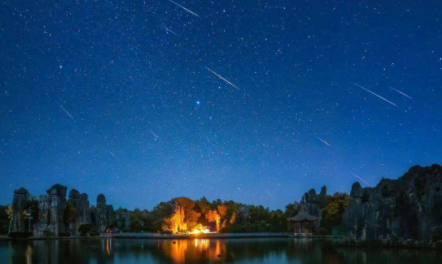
(302, 223)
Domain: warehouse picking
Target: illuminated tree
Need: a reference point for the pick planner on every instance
(213, 216)
(222, 210)
(10, 213)
(232, 220)
(184, 218)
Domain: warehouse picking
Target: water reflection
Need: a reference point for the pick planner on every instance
(306, 250)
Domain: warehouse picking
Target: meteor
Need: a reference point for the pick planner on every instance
(404, 94)
(184, 8)
(377, 95)
(66, 111)
(359, 178)
(169, 30)
(323, 141)
(224, 79)
(155, 135)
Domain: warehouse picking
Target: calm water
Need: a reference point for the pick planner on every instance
(204, 251)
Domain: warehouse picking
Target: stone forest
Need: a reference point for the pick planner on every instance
(406, 210)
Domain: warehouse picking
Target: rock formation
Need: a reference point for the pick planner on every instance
(83, 213)
(51, 208)
(103, 214)
(312, 202)
(19, 204)
(52, 212)
(122, 219)
(407, 208)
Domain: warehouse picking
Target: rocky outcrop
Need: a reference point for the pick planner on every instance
(122, 219)
(19, 205)
(409, 208)
(51, 208)
(103, 214)
(83, 213)
(312, 203)
(52, 213)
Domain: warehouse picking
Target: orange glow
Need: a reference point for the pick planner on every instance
(192, 251)
(214, 216)
(108, 246)
(176, 222)
(199, 229)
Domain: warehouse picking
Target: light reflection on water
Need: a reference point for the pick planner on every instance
(184, 251)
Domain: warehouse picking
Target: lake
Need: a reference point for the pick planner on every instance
(153, 251)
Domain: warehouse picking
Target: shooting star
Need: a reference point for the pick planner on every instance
(193, 13)
(359, 178)
(323, 141)
(170, 30)
(155, 135)
(224, 79)
(404, 94)
(112, 154)
(270, 194)
(66, 111)
(377, 95)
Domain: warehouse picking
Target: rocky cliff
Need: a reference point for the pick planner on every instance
(51, 209)
(103, 214)
(83, 213)
(409, 208)
(19, 205)
(53, 213)
(312, 204)
(122, 219)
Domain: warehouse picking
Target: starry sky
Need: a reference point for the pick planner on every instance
(255, 101)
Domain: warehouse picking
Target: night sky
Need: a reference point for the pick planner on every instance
(244, 100)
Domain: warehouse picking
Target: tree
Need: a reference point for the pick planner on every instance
(334, 209)
(85, 229)
(184, 218)
(159, 213)
(232, 220)
(69, 214)
(139, 220)
(10, 213)
(213, 216)
(292, 209)
(222, 210)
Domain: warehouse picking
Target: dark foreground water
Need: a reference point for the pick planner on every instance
(284, 250)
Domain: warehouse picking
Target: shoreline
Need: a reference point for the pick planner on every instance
(212, 236)
(338, 239)
(171, 237)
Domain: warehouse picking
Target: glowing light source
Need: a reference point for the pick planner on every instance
(200, 230)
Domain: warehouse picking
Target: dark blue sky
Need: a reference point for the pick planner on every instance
(116, 97)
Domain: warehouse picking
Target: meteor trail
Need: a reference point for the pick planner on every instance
(184, 8)
(154, 134)
(377, 95)
(112, 154)
(66, 111)
(323, 141)
(270, 194)
(224, 79)
(359, 178)
(169, 30)
(404, 94)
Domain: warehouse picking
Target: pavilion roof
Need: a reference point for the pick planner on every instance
(303, 216)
